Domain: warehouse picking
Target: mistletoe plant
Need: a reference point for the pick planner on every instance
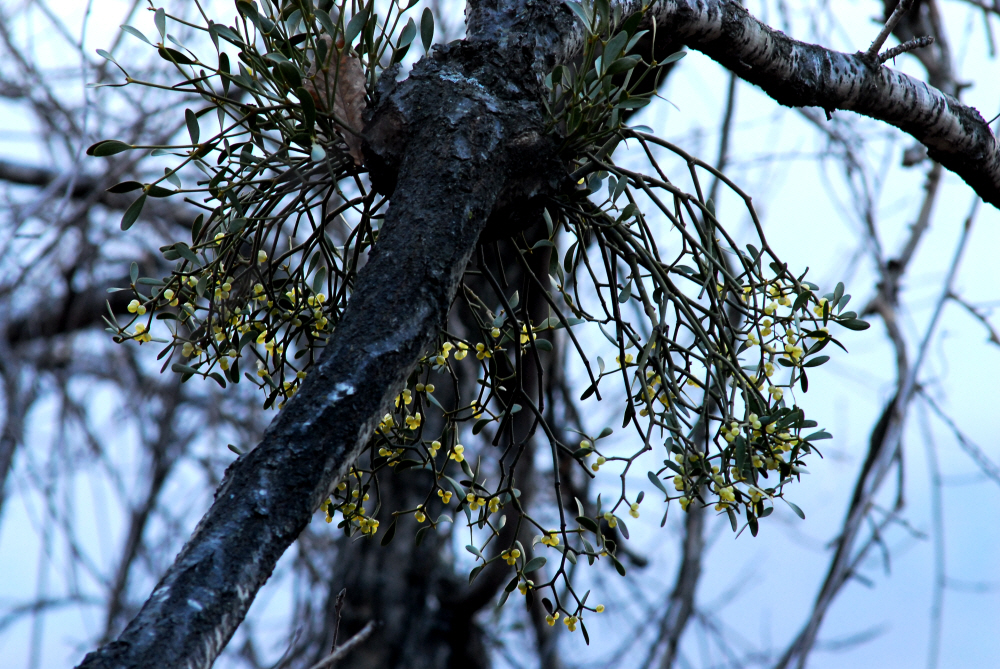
(710, 338)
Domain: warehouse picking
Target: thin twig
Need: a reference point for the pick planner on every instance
(994, 337)
(348, 646)
(988, 467)
(917, 43)
(890, 25)
(338, 606)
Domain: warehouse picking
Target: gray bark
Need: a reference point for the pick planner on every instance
(797, 74)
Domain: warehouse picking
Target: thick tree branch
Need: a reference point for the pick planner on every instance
(797, 74)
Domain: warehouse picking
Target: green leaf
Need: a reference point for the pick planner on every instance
(132, 31)
(125, 187)
(226, 33)
(623, 64)
(657, 482)
(614, 46)
(816, 362)
(543, 344)
(475, 551)
(183, 369)
(159, 191)
(587, 523)
(673, 58)
(186, 252)
(816, 436)
(192, 125)
(160, 20)
(108, 147)
(637, 102)
(291, 74)
(215, 376)
(308, 106)
(534, 564)
(132, 213)
(855, 324)
(174, 56)
(622, 527)
(475, 572)
(354, 27)
(582, 13)
(625, 294)
(325, 21)
(133, 272)
(619, 567)
(427, 28)
(389, 533)
(796, 509)
(480, 424)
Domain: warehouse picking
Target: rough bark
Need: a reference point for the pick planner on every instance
(469, 122)
(797, 74)
(457, 139)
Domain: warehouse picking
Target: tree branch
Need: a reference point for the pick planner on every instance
(797, 74)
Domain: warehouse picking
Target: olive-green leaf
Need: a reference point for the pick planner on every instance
(125, 187)
(132, 213)
(534, 564)
(108, 147)
(160, 19)
(796, 509)
(389, 534)
(619, 567)
(354, 27)
(159, 191)
(192, 125)
(816, 362)
(132, 31)
(427, 28)
(174, 56)
(855, 324)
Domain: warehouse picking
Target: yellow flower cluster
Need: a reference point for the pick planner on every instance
(510, 556)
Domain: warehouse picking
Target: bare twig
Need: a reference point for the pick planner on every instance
(890, 25)
(990, 468)
(940, 574)
(338, 607)
(911, 45)
(348, 646)
(994, 337)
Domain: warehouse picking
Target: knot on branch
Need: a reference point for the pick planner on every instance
(468, 98)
